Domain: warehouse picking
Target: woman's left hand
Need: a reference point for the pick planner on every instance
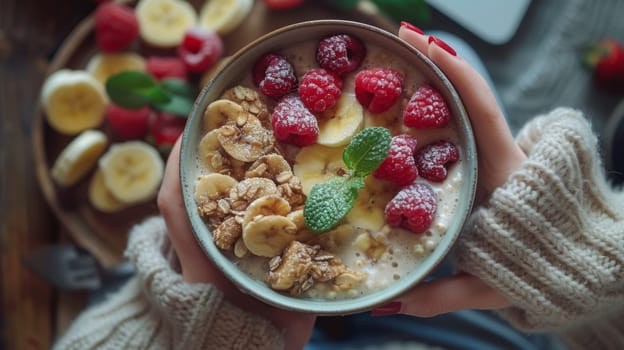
(197, 268)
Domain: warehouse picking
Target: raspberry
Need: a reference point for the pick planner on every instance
(293, 123)
(433, 160)
(274, 75)
(399, 166)
(319, 89)
(116, 26)
(340, 53)
(200, 49)
(378, 89)
(426, 109)
(128, 124)
(166, 67)
(413, 208)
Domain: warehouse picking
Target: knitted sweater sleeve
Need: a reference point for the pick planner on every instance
(156, 309)
(552, 238)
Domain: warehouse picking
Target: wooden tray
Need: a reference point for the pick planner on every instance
(105, 235)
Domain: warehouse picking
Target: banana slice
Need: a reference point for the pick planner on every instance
(251, 101)
(213, 186)
(162, 23)
(247, 140)
(269, 235)
(266, 205)
(211, 154)
(78, 157)
(368, 212)
(222, 112)
(317, 163)
(132, 171)
(251, 189)
(339, 124)
(303, 233)
(103, 65)
(73, 101)
(271, 166)
(101, 198)
(223, 16)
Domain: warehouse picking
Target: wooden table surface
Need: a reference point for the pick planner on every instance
(33, 314)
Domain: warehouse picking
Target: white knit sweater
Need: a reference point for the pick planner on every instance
(551, 240)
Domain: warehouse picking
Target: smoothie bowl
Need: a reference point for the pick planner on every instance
(328, 167)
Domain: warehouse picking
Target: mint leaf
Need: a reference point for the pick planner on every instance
(181, 97)
(367, 150)
(330, 201)
(131, 89)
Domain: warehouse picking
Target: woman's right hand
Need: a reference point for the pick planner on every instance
(498, 155)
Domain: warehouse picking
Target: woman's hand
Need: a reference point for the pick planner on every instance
(499, 156)
(196, 268)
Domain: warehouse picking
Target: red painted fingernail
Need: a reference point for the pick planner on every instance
(388, 309)
(411, 27)
(443, 45)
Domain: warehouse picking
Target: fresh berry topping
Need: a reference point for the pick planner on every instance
(293, 123)
(426, 109)
(165, 128)
(378, 89)
(413, 208)
(166, 67)
(340, 53)
(434, 159)
(128, 124)
(200, 49)
(399, 166)
(116, 26)
(274, 75)
(319, 89)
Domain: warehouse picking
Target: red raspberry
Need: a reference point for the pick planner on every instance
(116, 26)
(399, 166)
(166, 67)
(378, 89)
(434, 159)
(200, 49)
(413, 208)
(274, 75)
(319, 89)
(293, 123)
(128, 124)
(165, 128)
(340, 53)
(426, 109)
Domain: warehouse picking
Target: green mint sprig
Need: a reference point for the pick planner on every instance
(136, 89)
(331, 201)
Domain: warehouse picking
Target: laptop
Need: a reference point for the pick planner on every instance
(494, 21)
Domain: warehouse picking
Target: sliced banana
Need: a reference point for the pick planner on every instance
(73, 101)
(271, 166)
(247, 140)
(315, 164)
(269, 235)
(132, 171)
(339, 124)
(222, 112)
(211, 154)
(104, 65)
(368, 211)
(303, 233)
(223, 16)
(78, 157)
(251, 101)
(251, 189)
(267, 205)
(213, 186)
(101, 198)
(162, 23)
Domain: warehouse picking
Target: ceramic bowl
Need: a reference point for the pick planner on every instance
(234, 71)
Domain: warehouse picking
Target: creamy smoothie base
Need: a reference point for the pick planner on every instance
(384, 254)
